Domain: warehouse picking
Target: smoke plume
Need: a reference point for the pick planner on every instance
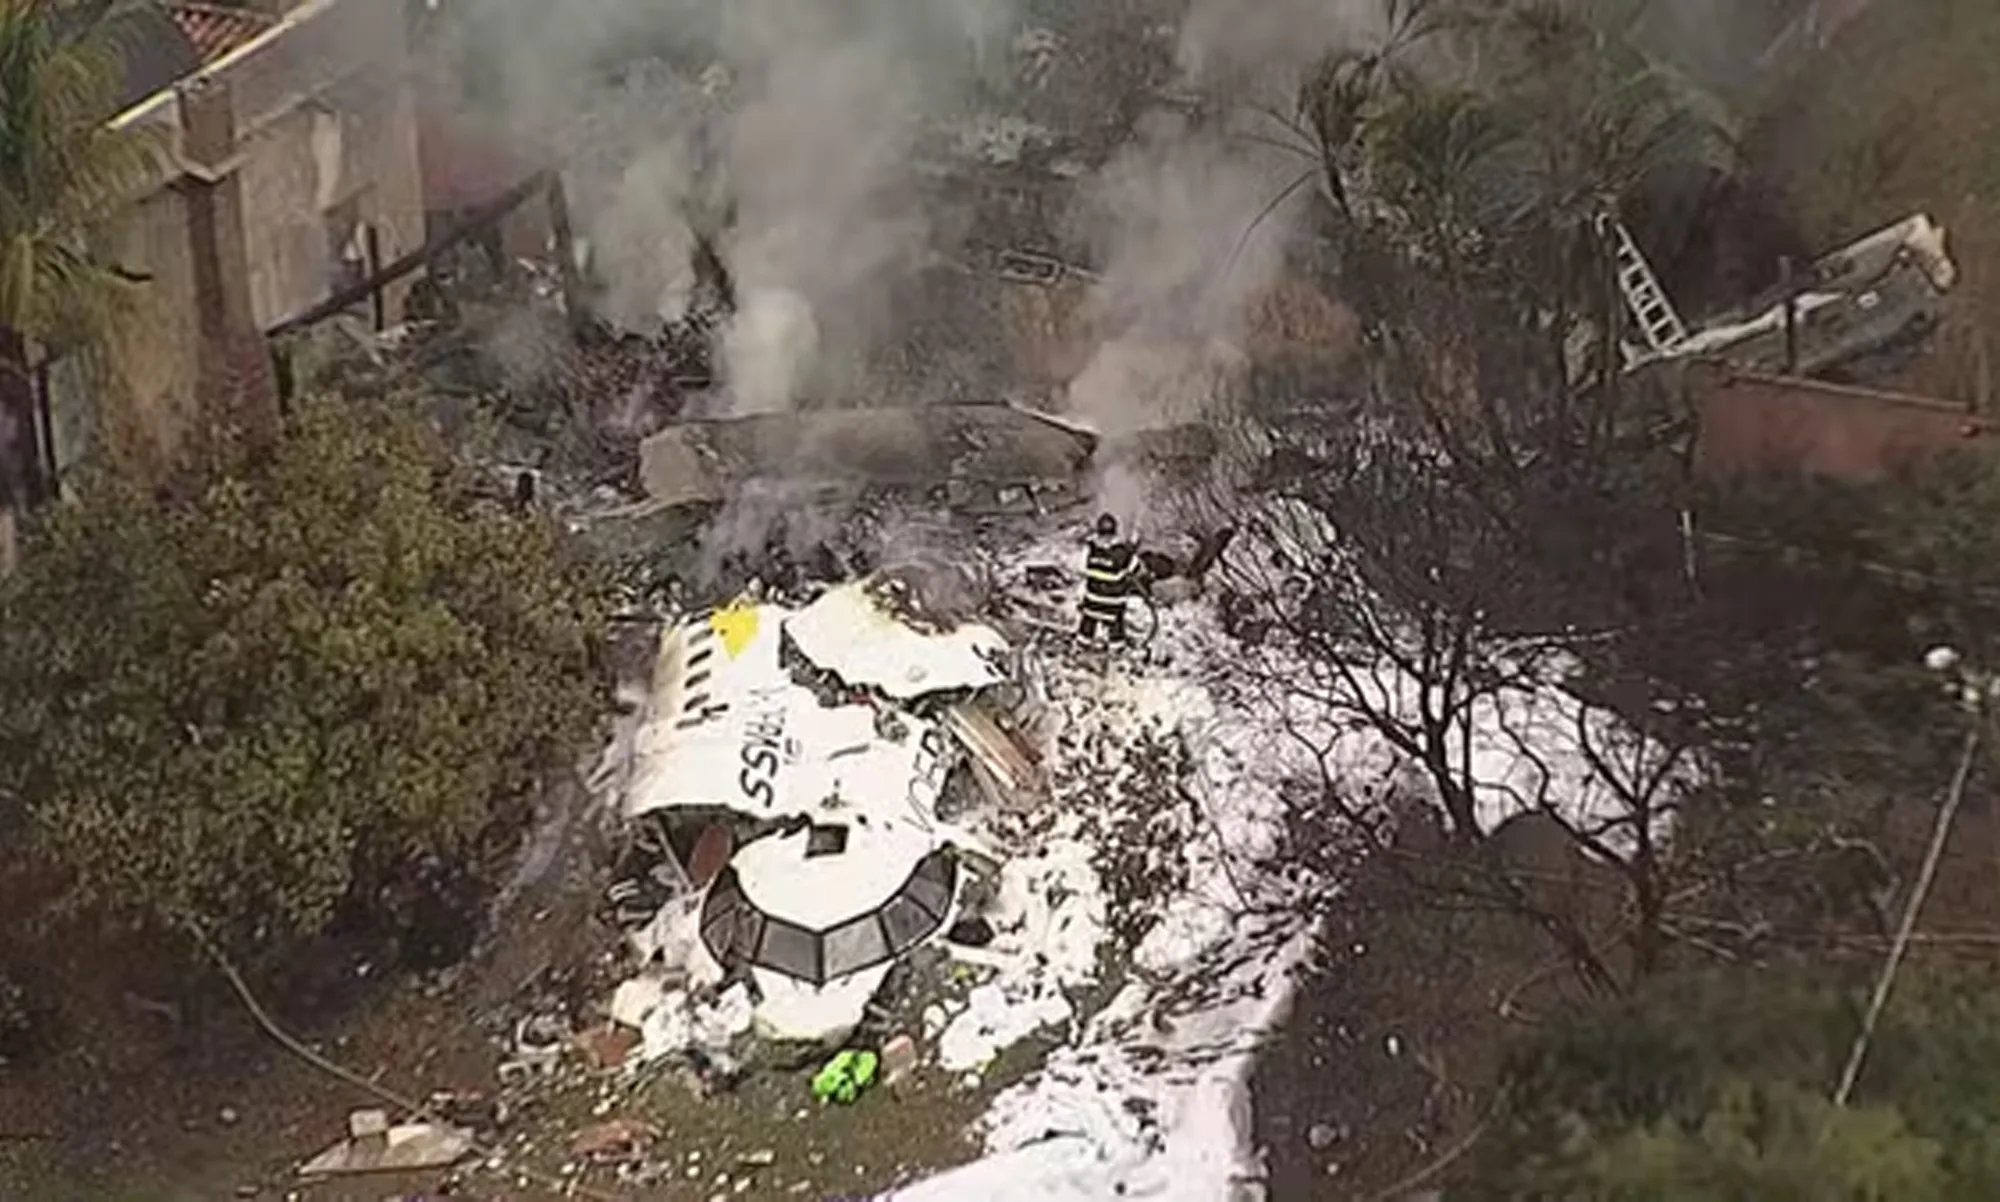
(1190, 227)
(788, 132)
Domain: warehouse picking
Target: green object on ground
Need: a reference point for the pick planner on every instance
(845, 1076)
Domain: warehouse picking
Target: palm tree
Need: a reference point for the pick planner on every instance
(1510, 124)
(1354, 84)
(1604, 114)
(63, 171)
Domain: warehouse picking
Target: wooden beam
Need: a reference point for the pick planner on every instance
(482, 219)
(378, 302)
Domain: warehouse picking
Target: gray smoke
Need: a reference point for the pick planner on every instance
(1185, 257)
(1244, 49)
(1188, 225)
(790, 131)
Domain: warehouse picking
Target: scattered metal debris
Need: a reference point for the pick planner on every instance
(539, 1040)
(967, 457)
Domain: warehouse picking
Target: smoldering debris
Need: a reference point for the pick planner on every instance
(759, 202)
(787, 135)
(963, 456)
(933, 593)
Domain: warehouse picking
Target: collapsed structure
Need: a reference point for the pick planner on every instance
(1883, 291)
(794, 775)
(995, 458)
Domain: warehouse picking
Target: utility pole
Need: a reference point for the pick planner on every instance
(1788, 282)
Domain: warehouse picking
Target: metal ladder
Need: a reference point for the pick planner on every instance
(1651, 311)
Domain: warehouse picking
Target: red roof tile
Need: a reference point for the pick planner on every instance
(216, 30)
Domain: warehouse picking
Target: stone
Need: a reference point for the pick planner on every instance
(366, 1127)
(899, 1059)
(390, 1149)
(615, 1139)
(607, 1046)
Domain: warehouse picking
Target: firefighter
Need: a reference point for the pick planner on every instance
(1108, 571)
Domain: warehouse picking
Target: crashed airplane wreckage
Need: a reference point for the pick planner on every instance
(971, 456)
(791, 774)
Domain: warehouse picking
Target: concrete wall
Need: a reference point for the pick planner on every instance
(1753, 424)
(323, 115)
(466, 165)
(153, 361)
(353, 145)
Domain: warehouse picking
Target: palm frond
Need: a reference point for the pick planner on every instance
(64, 172)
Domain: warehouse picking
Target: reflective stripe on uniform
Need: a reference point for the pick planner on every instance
(1110, 564)
(1103, 607)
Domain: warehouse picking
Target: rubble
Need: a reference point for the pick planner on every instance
(470, 1109)
(374, 1146)
(636, 998)
(1868, 297)
(621, 1139)
(993, 458)
(784, 812)
(1001, 759)
(607, 1046)
(539, 1040)
(899, 1059)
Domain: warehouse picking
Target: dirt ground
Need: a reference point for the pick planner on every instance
(132, 1107)
(1388, 1061)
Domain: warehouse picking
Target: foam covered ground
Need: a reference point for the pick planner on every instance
(1146, 1096)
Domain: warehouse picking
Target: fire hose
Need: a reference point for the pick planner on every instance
(1152, 608)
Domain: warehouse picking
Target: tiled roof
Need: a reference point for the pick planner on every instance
(216, 30)
(152, 51)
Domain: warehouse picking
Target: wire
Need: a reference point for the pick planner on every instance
(1153, 625)
(381, 1093)
(1918, 893)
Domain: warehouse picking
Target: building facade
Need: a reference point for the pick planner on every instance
(291, 168)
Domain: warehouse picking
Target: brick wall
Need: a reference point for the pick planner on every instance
(1755, 424)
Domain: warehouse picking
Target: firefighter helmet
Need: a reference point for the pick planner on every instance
(1107, 526)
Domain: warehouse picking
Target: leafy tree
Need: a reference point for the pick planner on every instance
(63, 171)
(1492, 494)
(226, 714)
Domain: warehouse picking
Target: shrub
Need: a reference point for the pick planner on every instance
(1715, 1085)
(221, 712)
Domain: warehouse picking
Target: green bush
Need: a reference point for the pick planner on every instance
(1715, 1086)
(219, 713)
(1764, 1144)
